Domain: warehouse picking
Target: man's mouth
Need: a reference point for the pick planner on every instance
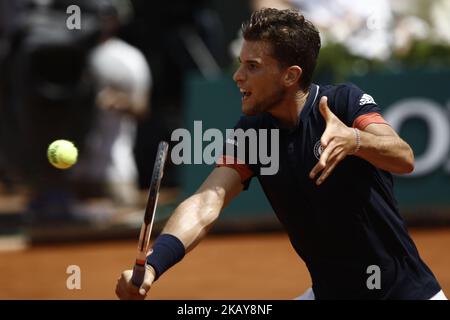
(245, 94)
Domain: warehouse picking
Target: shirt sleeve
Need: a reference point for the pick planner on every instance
(235, 155)
(364, 120)
(357, 108)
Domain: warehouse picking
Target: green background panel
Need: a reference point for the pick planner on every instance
(217, 104)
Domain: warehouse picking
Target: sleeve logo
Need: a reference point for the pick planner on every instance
(366, 99)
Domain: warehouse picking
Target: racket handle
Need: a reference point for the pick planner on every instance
(138, 273)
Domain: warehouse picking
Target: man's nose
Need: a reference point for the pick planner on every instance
(238, 75)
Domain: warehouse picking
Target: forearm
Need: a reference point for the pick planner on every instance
(188, 224)
(193, 217)
(389, 153)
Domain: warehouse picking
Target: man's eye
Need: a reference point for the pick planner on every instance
(252, 66)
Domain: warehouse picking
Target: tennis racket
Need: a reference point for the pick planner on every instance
(149, 216)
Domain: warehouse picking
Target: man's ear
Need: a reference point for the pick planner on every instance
(292, 76)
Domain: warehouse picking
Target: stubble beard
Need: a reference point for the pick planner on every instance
(268, 104)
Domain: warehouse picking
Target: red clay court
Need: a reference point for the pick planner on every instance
(222, 267)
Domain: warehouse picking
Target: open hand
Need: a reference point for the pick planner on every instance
(337, 142)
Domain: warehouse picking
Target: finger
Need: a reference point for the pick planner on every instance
(335, 153)
(121, 290)
(323, 160)
(131, 288)
(124, 294)
(317, 168)
(125, 290)
(326, 153)
(121, 287)
(148, 280)
(327, 171)
(327, 135)
(118, 293)
(324, 109)
(324, 140)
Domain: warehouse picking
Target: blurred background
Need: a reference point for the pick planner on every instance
(118, 76)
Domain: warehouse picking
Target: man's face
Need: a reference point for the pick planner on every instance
(259, 78)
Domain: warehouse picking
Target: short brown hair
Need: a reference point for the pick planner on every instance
(294, 40)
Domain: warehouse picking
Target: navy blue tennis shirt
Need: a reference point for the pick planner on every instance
(351, 221)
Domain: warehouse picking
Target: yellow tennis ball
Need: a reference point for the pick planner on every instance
(62, 154)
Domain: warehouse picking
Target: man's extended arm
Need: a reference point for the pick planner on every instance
(189, 223)
(193, 217)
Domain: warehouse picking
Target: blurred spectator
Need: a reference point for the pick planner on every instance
(440, 18)
(123, 81)
(362, 26)
(52, 81)
(8, 24)
(47, 93)
(178, 37)
(374, 30)
(421, 21)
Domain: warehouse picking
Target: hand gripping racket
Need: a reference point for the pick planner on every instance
(149, 216)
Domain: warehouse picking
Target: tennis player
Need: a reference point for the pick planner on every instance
(333, 192)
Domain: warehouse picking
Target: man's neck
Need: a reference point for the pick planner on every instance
(289, 111)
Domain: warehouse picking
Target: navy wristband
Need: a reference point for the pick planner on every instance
(167, 251)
